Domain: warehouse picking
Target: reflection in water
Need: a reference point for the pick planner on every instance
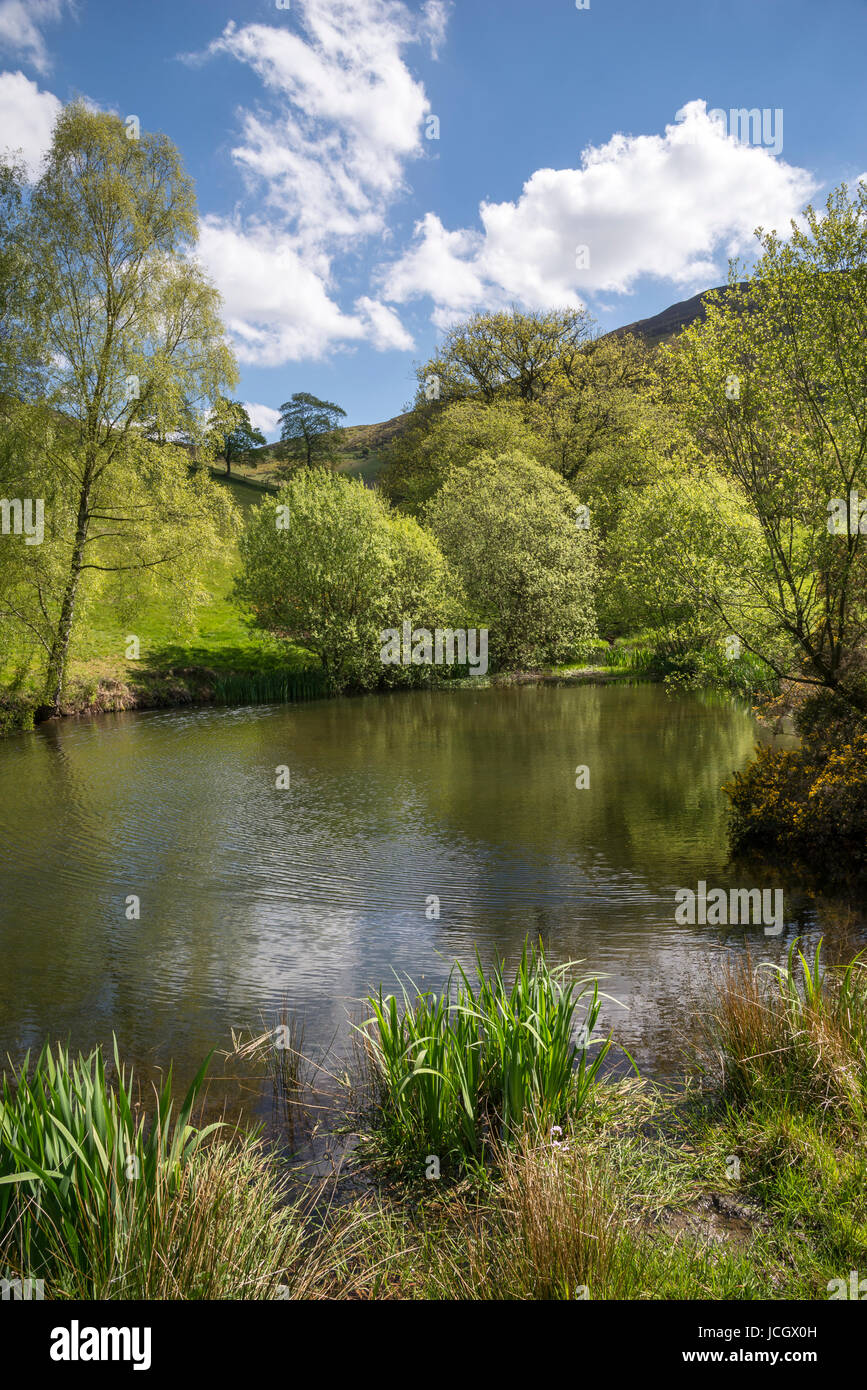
(250, 894)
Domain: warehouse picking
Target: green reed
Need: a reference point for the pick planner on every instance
(475, 1063)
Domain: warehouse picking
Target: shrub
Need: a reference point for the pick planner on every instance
(508, 528)
(809, 803)
(334, 567)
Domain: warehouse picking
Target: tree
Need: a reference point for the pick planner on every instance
(511, 531)
(231, 432)
(327, 565)
(512, 353)
(308, 428)
(772, 391)
(20, 316)
(132, 331)
(419, 458)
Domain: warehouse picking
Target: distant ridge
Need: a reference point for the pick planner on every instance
(671, 321)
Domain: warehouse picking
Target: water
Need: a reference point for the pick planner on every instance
(250, 895)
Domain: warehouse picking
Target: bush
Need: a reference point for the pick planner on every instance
(809, 803)
(327, 565)
(508, 528)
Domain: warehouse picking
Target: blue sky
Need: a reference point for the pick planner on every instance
(344, 236)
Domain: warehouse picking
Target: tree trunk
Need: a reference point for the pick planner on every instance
(60, 646)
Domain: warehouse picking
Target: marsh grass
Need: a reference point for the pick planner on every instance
(793, 1037)
(102, 1199)
(280, 1051)
(456, 1071)
(269, 687)
(79, 1160)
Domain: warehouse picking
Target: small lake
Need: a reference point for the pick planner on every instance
(250, 894)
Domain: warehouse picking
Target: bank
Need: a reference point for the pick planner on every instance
(743, 1181)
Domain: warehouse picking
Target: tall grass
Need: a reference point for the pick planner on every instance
(793, 1036)
(104, 1202)
(77, 1160)
(455, 1070)
(269, 687)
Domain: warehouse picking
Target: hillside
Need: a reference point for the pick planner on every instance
(659, 328)
(360, 446)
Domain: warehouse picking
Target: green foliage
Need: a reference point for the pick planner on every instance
(78, 1163)
(769, 390)
(131, 342)
(794, 1037)
(20, 316)
(269, 687)
(508, 528)
(482, 1059)
(231, 433)
(326, 564)
(307, 429)
(510, 354)
(447, 436)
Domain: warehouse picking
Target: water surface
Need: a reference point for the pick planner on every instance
(250, 894)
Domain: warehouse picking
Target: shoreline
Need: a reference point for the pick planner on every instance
(177, 688)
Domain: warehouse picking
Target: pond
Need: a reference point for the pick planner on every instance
(459, 803)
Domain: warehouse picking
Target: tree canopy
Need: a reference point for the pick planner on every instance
(307, 428)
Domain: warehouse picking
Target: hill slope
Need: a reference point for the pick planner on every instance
(359, 450)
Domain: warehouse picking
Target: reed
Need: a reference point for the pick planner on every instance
(268, 687)
(475, 1063)
(79, 1163)
(793, 1036)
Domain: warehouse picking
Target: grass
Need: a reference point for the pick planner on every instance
(748, 1182)
(452, 1071)
(216, 655)
(793, 1037)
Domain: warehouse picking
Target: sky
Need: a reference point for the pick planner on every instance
(369, 172)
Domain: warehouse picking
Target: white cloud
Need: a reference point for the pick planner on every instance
(20, 31)
(262, 417)
(277, 306)
(346, 111)
(672, 206)
(344, 116)
(27, 118)
(382, 325)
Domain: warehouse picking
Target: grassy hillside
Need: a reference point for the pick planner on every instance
(359, 452)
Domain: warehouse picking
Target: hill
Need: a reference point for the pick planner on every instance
(661, 327)
(360, 446)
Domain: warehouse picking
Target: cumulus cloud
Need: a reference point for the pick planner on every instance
(21, 32)
(382, 325)
(277, 306)
(27, 118)
(347, 112)
(674, 206)
(262, 417)
(328, 151)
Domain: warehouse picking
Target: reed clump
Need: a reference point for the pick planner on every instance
(455, 1071)
(793, 1036)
